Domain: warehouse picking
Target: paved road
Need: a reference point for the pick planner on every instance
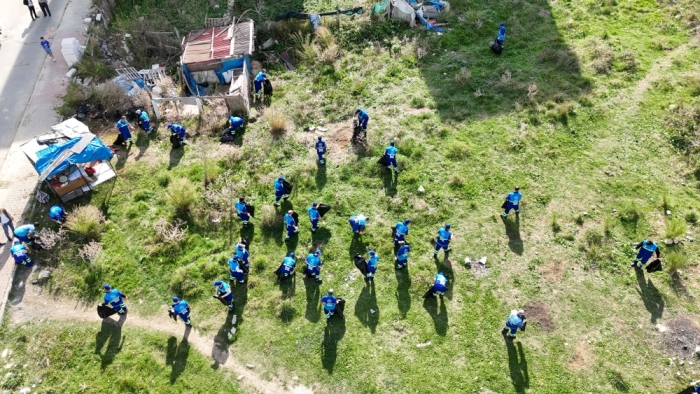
(31, 86)
(23, 59)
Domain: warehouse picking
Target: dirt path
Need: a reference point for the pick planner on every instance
(36, 305)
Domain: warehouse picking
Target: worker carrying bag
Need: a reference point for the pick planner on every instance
(105, 311)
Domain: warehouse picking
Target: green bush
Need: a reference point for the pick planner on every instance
(691, 217)
(269, 219)
(676, 261)
(185, 280)
(630, 213)
(675, 228)
(458, 151)
(286, 311)
(181, 194)
(87, 221)
(593, 237)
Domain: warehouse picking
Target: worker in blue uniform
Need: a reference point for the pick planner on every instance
(400, 232)
(443, 239)
(358, 222)
(362, 118)
(242, 254)
(501, 36)
(235, 270)
(390, 152)
(21, 254)
(286, 270)
(647, 249)
(115, 299)
(320, 149)
(372, 263)
(513, 202)
(314, 216)
(313, 265)
(144, 120)
(515, 321)
(260, 77)
(125, 130)
(57, 214)
(280, 191)
(178, 130)
(234, 123)
(439, 286)
(329, 303)
(223, 293)
(290, 224)
(242, 211)
(182, 308)
(402, 256)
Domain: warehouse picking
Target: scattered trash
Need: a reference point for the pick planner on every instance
(234, 319)
(5, 353)
(312, 128)
(372, 311)
(661, 328)
(323, 129)
(87, 20)
(98, 17)
(668, 212)
(421, 189)
(250, 366)
(71, 72)
(295, 378)
(424, 344)
(216, 220)
(468, 262)
(232, 332)
(240, 377)
(44, 274)
(25, 390)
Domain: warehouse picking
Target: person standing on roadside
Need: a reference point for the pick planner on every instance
(47, 48)
(32, 10)
(6, 219)
(44, 5)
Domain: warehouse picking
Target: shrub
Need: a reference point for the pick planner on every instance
(305, 48)
(324, 37)
(112, 97)
(269, 219)
(462, 78)
(593, 237)
(676, 261)
(286, 311)
(170, 233)
(691, 217)
(630, 213)
(629, 61)
(276, 119)
(602, 55)
(184, 280)
(181, 194)
(417, 101)
(685, 132)
(87, 221)
(91, 65)
(555, 223)
(458, 151)
(675, 228)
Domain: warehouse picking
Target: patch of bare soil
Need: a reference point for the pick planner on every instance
(538, 313)
(552, 271)
(682, 336)
(35, 307)
(338, 137)
(582, 358)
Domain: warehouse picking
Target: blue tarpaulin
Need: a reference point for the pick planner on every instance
(95, 150)
(198, 90)
(230, 65)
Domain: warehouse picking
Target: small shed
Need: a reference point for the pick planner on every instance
(220, 54)
(70, 159)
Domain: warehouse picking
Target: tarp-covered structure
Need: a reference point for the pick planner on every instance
(219, 54)
(70, 159)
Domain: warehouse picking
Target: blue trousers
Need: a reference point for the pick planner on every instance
(181, 134)
(399, 238)
(370, 272)
(290, 231)
(245, 216)
(237, 276)
(442, 245)
(233, 129)
(401, 263)
(328, 313)
(278, 195)
(313, 271)
(438, 289)
(643, 256)
(314, 224)
(185, 316)
(146, 125)
(25, 239)
(355, 226)
(391, 161)
(258, 85)
(126, 134)
(510, 206)
(287, 271)
(513, 329)
(5, 227)
(25, 261)
(320, 155)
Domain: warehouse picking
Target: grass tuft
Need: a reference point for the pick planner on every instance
(675, 228)
(692, 217)
(276, 120)
(676, 260)
(87, 221)
(181, 194)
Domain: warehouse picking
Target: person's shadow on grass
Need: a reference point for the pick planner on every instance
(219, 351)
(313, 306)
(403, 296)
(435, 307)
(390, 182)
(320, 175)
(321, 236)
(123, 157)
(175, 157)
(288, 286)
(111, 334)
(365, 304)
(334, 332)
(176, 355)
(142, 143)
(517, 364)
(357, 246)
(240, 295)
(515, 243)
(651, 296)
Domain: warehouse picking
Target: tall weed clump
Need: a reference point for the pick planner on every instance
(276, 119)
(86, 221)
(684, 125)
(269, 218)
(675, 228)
(676, 261)
(181, 194)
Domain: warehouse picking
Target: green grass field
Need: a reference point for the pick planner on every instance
(592, 110)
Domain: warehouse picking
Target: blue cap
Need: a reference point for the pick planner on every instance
(175, 299)
(15, 242)
(280, 178)
(440, 273)
(318, 251)
(170, 125)
(314, 204)
(239, 246)
(291, 254)
(217, 282)
(407, 221)
(391, 143)
(447, 225)
(372, 253)
(107, 286)
(501, 24)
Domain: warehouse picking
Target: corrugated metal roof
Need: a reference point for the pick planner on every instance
(218, 43)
